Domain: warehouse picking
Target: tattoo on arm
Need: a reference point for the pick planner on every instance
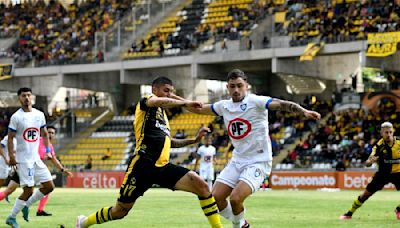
(176, 143)
(289, 106)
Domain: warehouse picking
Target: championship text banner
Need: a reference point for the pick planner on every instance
(382, 44)
(314, 180)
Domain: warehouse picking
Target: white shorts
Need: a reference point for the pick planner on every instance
(207, 173)
(33, 173)
(252, 174)
(4, 169)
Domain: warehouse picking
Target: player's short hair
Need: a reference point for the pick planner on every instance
(386, 125)
(236, 73)
(23, 90)
(161, 81)
(52, 127)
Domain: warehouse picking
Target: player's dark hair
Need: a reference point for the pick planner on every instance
(52, 127)
(235, 74)
(161, 81)
(23, 90)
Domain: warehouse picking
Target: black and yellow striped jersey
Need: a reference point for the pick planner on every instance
(152, 133)
(389, 156)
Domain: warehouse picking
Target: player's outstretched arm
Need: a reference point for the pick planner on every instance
(176, 143)
(205, 109)
(166, 102)
(290, 106)
(57, 164)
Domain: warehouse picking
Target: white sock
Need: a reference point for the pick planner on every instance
(209, 182)
(227, 212)
(237, 220)
(19, 204)
(36, 196)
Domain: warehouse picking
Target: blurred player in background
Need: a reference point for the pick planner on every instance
(14, 181)
(246, 119)
(206, 156)
(4, 161)
(386, 152)
(150, 164)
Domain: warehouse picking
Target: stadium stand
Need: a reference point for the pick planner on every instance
(114, 135)
(199, 22)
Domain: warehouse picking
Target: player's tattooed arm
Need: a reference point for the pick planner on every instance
(166, 102)
(287, 106)
(290, 106)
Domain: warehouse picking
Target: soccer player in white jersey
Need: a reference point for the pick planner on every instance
(27, 124)
(246, 119)
(206, 156)
(4, 168)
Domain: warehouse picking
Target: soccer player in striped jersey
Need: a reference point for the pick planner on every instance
(150, 164)
(386, 152)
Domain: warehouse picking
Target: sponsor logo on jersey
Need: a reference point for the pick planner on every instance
(31, 134)
(239, 128)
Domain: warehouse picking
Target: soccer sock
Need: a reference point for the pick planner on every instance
(43, 203)
(209, 182)
(210, 210)
(101, 216)
(356, 204)
(19, 204)
(2, 195)
(227, 212)
(238, 219)
(37, 195)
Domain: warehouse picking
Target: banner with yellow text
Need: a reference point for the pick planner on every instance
(382, 44)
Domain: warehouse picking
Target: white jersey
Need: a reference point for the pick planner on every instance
(247, 125)
(27, 126)
(207, 154)
(5, 148)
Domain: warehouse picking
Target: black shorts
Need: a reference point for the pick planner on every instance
(14, 177)
(141, 174)
(379, 180)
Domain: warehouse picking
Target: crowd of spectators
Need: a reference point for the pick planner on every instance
(337, 21)
(48, 33)
(346, 139)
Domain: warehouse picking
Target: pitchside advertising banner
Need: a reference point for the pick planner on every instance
(96, 180)
(278, 180)
(315, 180)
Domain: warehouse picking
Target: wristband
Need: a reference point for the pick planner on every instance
(48, 150)
(62, 170)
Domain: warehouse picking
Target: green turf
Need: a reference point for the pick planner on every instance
(163, 208)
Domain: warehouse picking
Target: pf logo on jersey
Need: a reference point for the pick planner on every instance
(239, 128)
(31, 134)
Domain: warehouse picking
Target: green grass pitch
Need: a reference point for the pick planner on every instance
(164, 208)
